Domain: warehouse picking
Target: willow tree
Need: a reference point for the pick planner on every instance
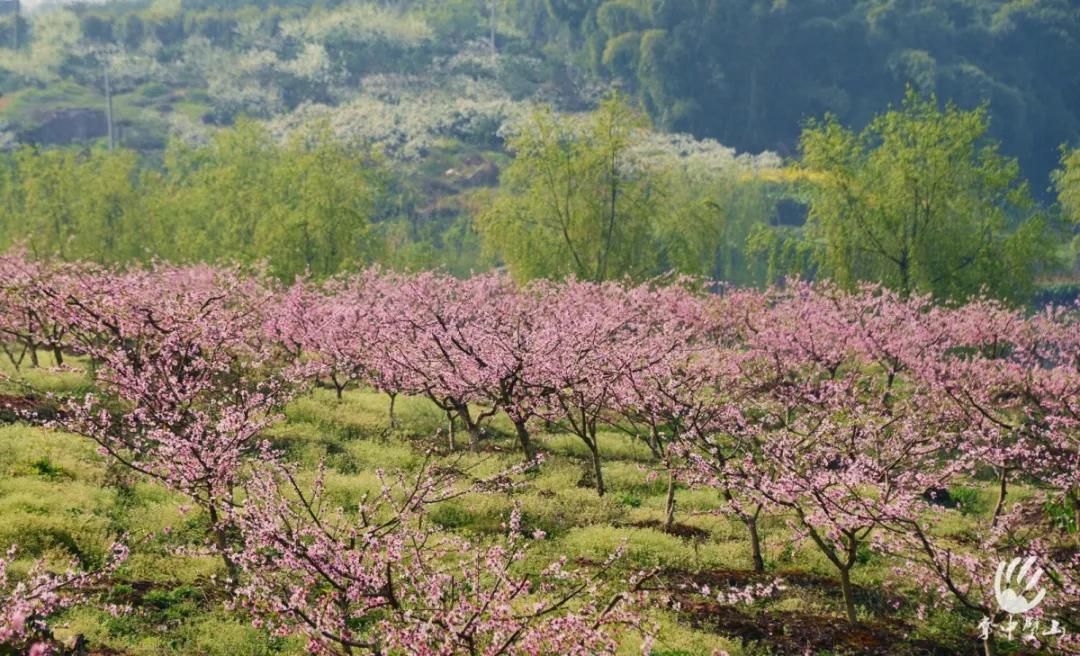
(574, 201)
(1067, 181)
(921, 201)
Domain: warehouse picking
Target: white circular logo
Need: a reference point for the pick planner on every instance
(1011, 599)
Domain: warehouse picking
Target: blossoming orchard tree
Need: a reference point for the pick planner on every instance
(486, 340)
(426, 320)
(31, 321)
(669, 390)
(1009, 386)
(828, 445)
(27, 604)
(185, 377)
(593, 335)
(381, 579)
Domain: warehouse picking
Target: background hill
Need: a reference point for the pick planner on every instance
(433, 89)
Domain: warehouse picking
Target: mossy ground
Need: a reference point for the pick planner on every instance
(60, 498)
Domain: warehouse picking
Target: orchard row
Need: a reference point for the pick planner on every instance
(852, 415)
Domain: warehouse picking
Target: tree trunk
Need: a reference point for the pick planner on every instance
(526, 442)
(393, 418)
(594, 448)
(58, 355)
(905, 271)
(10, 353)
(1003, 490)
(338, 387)
(222, 542)
(988, 646)
(470, 426)
(669, 508)
(34, 357)
(750, 521)
(849, 594)
(1074, 499)
(452, 429)
(755, 543)
(474, 435)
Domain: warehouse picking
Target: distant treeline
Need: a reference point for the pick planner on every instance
(745, 72)
(303, 205)
(316, 204)
(920, 201)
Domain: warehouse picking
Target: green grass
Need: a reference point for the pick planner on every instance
(60, 498)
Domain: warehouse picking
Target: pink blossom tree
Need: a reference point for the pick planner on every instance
(1007, 385)
(381, 579)
(591, 335)
(832, 447)
(27, 604)
(423, 349)
(676, 393)
(186, 381)
(487, 342)
(294, 318)
(29, 320)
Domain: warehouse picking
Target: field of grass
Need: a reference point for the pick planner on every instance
(60, 498)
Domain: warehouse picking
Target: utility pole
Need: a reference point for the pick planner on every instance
(15, 28)
(109, 108)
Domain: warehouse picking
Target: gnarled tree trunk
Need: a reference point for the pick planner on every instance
(527, 447)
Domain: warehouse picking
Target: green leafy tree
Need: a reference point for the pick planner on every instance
(921, 201)
(73, 204)
(302, 206)
(1067, 181)
(574, 201)
(712, 201)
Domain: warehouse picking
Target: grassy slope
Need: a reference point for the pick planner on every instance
(58, 497)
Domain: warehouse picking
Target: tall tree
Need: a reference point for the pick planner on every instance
(921, 201)
(1067, 181)
(574, 202)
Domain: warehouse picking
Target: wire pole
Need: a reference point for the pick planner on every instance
(109, 108)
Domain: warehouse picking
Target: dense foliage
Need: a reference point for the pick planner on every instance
(748, 72)
(305, 205)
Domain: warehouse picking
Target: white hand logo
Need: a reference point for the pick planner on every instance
(1010, 600)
